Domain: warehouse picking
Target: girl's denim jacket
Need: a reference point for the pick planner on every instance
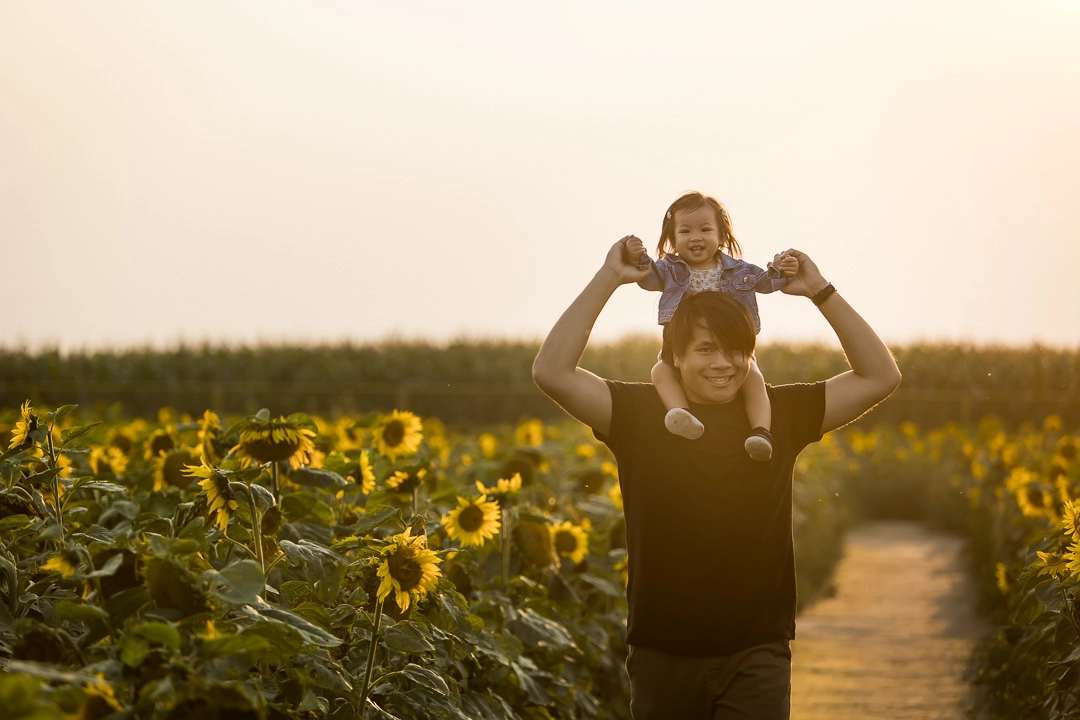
(738, 278)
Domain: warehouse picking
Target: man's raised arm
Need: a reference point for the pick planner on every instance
(873, 375)
(582, 394)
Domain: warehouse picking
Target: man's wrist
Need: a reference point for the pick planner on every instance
(823, 294)
(609, 275)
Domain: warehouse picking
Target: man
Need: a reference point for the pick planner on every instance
(711, 567)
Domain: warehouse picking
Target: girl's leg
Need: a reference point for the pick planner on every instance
(679, 420)
(759, 412)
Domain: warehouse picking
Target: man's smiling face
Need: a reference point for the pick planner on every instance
(710, 373)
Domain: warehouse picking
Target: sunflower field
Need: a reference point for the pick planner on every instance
(378, 565)
(1016, 495)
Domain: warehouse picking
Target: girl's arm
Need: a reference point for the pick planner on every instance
(669, 387)
(635, 254)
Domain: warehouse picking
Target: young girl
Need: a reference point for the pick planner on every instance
(697, 251)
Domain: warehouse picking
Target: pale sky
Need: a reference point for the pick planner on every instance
(242, 171)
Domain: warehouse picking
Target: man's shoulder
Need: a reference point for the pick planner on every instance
(794, 392)
(631, 397)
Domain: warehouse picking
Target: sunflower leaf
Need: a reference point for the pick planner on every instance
(427, 678)
(314, 477)
(303, 421)
(375, 517)
(530, 685)
(160, 633)
(239, 583)
(91, 484)
(14, 522)
(62, 411)
(406, 637)
(126, 603)
(233, 644)
(536, 629)
(237, 428)
(311, 633)
(109, 568)
(76, 611)
(69, 434)
(44, 477)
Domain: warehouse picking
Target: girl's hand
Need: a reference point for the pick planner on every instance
(788, 265)
(633, 249)
(807, 280)
(623, 257)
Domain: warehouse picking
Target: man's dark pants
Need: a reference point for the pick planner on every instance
(752, 684)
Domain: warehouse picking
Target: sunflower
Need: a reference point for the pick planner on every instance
(405, 482)
(28, 424)
(160, 442)
(1067, 449)
(530, 433)
(409, 569)
(169, 468)
(350, 436)
(366, 478)
(107, 461)
(1070, 517)
(269, 440)
(99, 701)
(397, 435)
(66, 562)
(473, 521)
(488, 445)
(209, 430)
(571, 541)
(1051, 563)
(1001, 577)
(1033, 501)
(219, 499)
(121, 439)
(534, 539)
(504, 489)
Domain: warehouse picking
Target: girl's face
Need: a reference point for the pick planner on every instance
(697, 237)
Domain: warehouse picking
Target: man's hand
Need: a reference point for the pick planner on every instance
(623, 257)
(807, 279)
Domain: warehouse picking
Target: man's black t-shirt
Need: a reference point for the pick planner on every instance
(710, 551)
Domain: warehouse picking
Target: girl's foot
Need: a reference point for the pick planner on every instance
(759, 444)
(679, 421)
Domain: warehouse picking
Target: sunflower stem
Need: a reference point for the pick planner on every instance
(56, 487)
(274, 477)
(256, 526)
(97, 586)
(371, 656)
(504, 543)
(416, 500)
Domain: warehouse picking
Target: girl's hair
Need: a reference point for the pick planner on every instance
(727, 319)
(691, 201)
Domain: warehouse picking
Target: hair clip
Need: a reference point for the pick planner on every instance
(668, 214)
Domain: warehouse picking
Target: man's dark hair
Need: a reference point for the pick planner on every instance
(727, 319)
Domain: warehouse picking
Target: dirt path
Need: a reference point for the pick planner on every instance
(894, 641)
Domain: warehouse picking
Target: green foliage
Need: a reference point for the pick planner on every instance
(488, 382)
(124, 588)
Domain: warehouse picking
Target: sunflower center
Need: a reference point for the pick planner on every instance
(264, 448)
(1035, 496)
(471, 518)
(405, 570)
(161, 444)
(394, 433)
(565, 542)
